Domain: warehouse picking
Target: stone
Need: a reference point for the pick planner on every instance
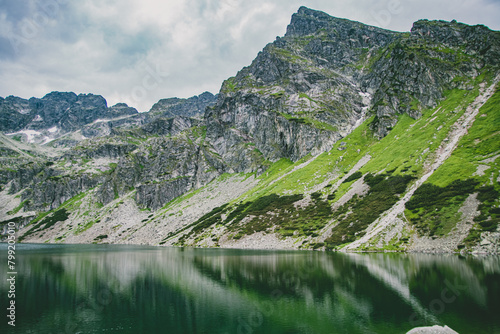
(432, 330)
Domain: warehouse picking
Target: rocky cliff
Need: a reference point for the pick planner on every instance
(127, 150)
(58, 114)
(312, 87)
(191, 107)
(62, 111)
(337, 136)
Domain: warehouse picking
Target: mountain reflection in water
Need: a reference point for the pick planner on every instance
(131, 289)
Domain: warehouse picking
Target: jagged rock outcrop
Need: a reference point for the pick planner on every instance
(299, 95)
(191, 107)
(327, 73)
(15, 113)
(120, 109)
(177, 167)
(52, 117)
(477, 40)
(56, 112)
(164, 159)
(159, 120)
(169, 126)
(335, 42)
(414, 72)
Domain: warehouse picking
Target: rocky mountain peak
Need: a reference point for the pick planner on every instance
(477, 40)
(61, 96)
(328, 73)
(309, 21)
(191, 107)
(59, 111)
(121, 109)
(206, 96)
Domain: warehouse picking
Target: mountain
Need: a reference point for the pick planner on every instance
(83, 154)
(58, 114)
(327, 75)
(338, 136)
(58, 111)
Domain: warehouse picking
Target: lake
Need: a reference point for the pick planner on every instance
(136, 289)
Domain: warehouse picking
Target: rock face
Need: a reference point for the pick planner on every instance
(155, 153)
(66, 111)
(56, 114)
(15, 113)
(298, 96)
(416, 69)
(311, 88)
(192, 107)
(161, 160)
(120, 109)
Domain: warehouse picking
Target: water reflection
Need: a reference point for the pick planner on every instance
(126, 289)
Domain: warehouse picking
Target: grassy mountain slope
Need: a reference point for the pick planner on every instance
(328, 201)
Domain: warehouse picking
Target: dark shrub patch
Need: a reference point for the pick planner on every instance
(430, 202)
(429, 195)
(50, 220)
(280, 213)
(353, 176)
(316, 196)
(46, 222)
(209, 219)
(489, 218)
(318, 245)
(488, 194)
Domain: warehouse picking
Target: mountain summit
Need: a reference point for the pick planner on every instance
(338, 136)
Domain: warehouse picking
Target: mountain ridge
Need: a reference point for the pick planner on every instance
(59, 113)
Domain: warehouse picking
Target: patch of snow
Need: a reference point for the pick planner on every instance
(38, 118)
(53, 129)
(47, 140)
(30, 134)
(23, 111)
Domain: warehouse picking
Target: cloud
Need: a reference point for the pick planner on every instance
(141, 51)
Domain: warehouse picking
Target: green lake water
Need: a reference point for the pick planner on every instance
(135, 289)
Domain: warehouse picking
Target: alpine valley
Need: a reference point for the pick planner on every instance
(338, 136)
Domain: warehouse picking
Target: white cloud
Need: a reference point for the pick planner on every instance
(140, 51)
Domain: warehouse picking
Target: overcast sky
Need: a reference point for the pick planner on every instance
(139, 51)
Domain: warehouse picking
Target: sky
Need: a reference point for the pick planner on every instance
(140, 51)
